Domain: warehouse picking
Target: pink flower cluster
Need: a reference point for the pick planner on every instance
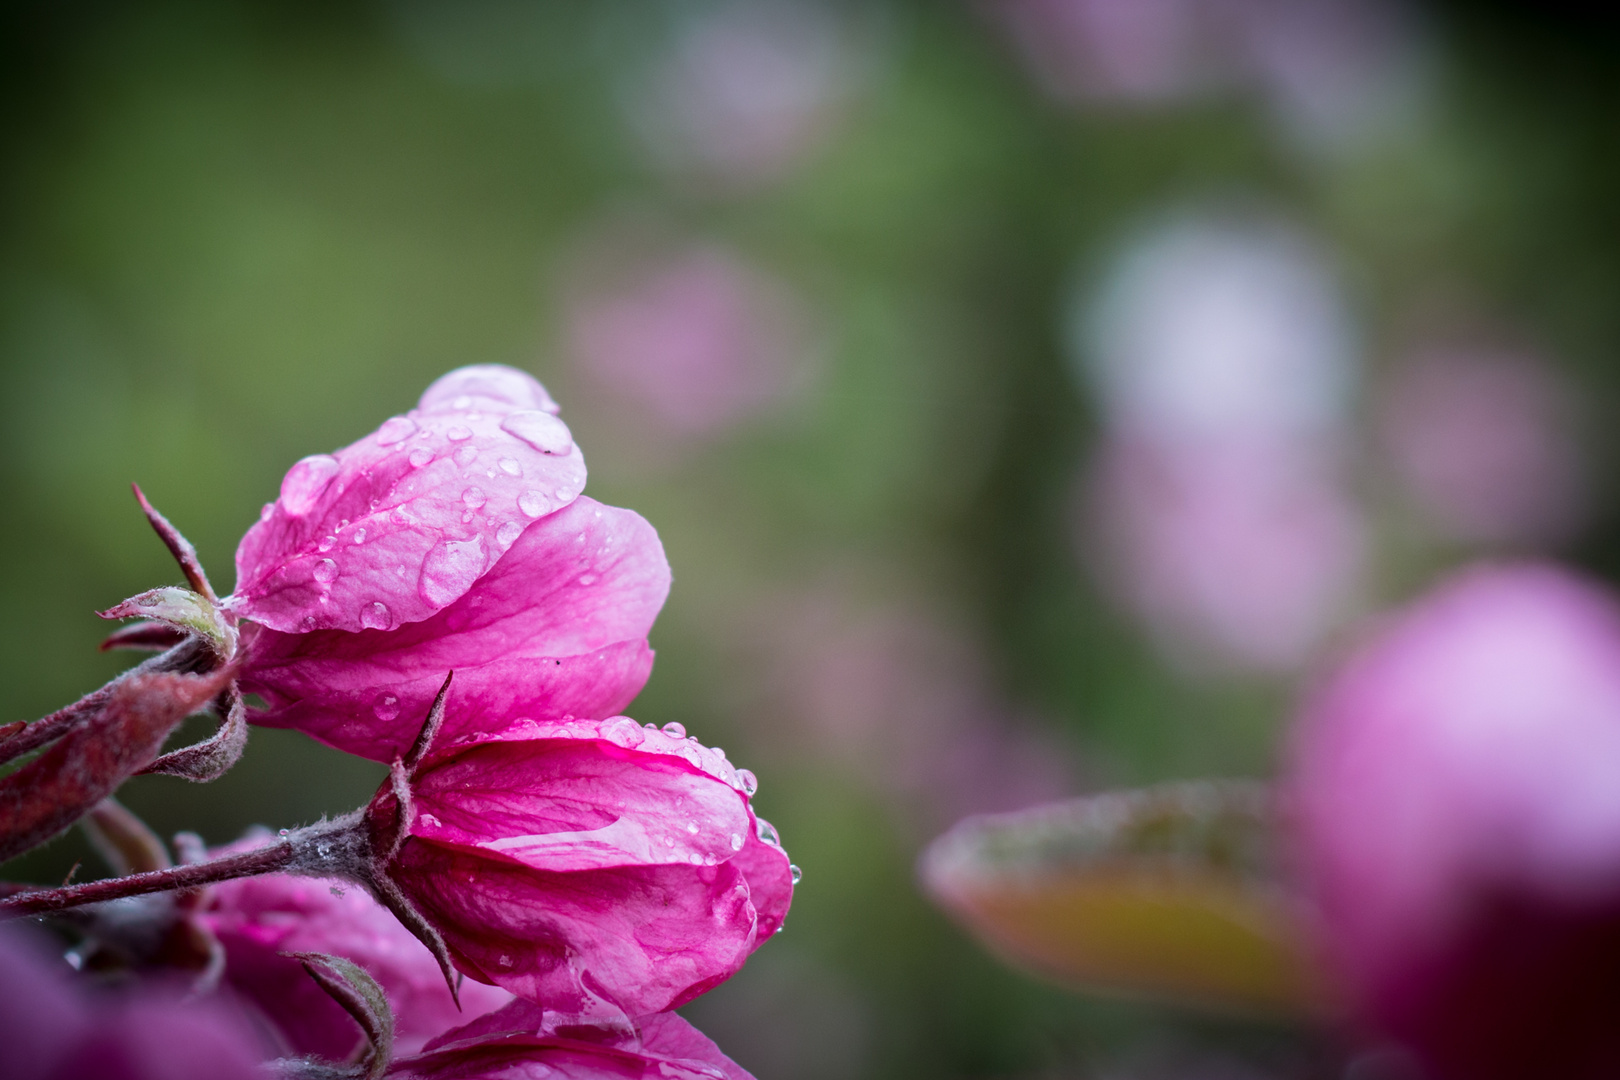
(586, 873)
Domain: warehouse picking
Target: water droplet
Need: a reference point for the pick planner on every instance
(749, 782)
(323, 848)
(474, 497)
(375, 616)
(510, 466)
(532, 503)
(450, 570)
(736, 841)
(307, 623)
(466, 519)
(587, 579)
(386, 707)
(305, 481)
(691, 827)
(458, 433)
(359, 536)
(540, 430)
(326, 544)
(505, 961)
(767, 833)
(795, 873)
(465, 456)
(395, 429)
(266, 510)
(326, 571)
(675, 729)
(650, 727)
(420, 456)
(508, 533)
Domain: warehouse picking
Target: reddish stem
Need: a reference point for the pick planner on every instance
(263, 860)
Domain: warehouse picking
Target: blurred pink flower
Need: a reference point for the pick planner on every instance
(1481, 439)
(401, 524)
(1333, 71)
(1215, 510)
(746, 91)
(51, 1030)
(693, 337)
(605, 870)
(1458, 821)
(259, 918)
(1233, 553)
(1125, 51)
(901, 698)
(557, 627)
(519, 1043)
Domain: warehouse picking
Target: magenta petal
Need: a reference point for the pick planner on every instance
(596, 867)
(257, 919)
(666, 1048)
(557, 628)
(401, 524)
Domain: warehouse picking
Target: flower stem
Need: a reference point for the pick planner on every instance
(265, 860)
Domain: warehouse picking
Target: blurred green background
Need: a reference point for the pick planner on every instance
(233, 234)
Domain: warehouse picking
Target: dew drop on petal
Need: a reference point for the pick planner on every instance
(420, 456)
(395, 429)
(587, 579)
(450, 570)
(511, 467)
(691, 827)
(508, 533)
(307, 623)
(736, 841)
(749, 782)
(650, 727)
(326, 571)
(505, 961)
(375, 616)
(540, 430)
(359, 536)
(795, 874)
(326, 544)
(675, 729)
(305, 481)
(386, 707)
(458, 433)
(474, 497)
(465, 456)
(532, 503)
(767, 833)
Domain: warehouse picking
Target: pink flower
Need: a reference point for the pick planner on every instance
(1235, 554)
(1459, 824)
(259, 918)
(665, 1048)
(1481, 439)
(604, 870)
(691, 336)
(746, 92)
(558, 627)
(401, 524)
(50, 1031)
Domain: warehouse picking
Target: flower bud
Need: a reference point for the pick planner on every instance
(602, 869)
(1459, 824)
(401, 524)
(558, 627)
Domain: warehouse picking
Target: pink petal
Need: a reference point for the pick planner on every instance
(257, 919)
(557, 628)
(401, 524)
(592, 866)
